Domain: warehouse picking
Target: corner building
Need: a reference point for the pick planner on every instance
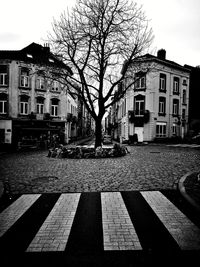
(33, 109)
(155, 107)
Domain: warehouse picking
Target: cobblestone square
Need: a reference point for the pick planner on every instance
(148, 167)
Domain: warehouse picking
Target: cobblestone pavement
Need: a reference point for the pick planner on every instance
(150, 167)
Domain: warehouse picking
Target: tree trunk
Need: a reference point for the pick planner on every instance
(98, 133)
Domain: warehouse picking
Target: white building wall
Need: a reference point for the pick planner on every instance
(152, 95)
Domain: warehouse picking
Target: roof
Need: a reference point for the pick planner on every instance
(34, 53)
(163, 61)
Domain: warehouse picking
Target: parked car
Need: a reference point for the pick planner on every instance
(107, 139)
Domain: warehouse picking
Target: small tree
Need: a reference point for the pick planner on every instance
(95, 39)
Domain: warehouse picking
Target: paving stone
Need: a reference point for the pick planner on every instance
(53, 237)
(139, 170)
(116, 231)
(181, 228)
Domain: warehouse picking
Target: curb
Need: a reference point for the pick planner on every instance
(182, 190)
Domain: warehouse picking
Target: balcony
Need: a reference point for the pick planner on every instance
(139, 117)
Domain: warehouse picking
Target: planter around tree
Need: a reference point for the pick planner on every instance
(78, 152)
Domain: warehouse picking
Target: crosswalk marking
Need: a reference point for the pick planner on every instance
(117, 219)
(54, 232)
(10, 215)
(186, 234)
(118, 230)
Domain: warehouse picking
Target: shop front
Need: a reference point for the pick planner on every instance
(37, 133)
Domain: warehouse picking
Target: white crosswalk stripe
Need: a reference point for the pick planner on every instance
(186, 234)
(54, 232)
(118, 229)
(10, 215)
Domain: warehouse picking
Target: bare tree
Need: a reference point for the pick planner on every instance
(96, 38)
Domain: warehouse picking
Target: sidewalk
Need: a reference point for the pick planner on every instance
(189, 187)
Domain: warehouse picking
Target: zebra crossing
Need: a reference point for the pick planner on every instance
(106, 221)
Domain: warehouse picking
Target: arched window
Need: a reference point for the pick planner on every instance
(40, 105)
(24, 104)
(3, 103)
(54, 107)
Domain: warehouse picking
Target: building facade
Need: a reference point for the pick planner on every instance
(194, 96)
(156, 105)
(34, 109)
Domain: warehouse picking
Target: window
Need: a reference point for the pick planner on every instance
(54, 107)
(184, 96)
(3, 75)
(40, 83)
(24, 77)
(184, 82)
(40, 105)
(176, 85)
(175, 110)
(139, 105)
(3, 103)
(161, 129)
(140, 81)
(162, 83)
(162, 105)
(24, 105)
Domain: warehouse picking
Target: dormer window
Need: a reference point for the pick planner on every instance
(29, 55)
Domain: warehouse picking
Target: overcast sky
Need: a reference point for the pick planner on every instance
(175, 23)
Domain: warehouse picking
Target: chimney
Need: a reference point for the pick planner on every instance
(46, 48)
(161, 54)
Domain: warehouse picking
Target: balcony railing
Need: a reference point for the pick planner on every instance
(139, 116)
